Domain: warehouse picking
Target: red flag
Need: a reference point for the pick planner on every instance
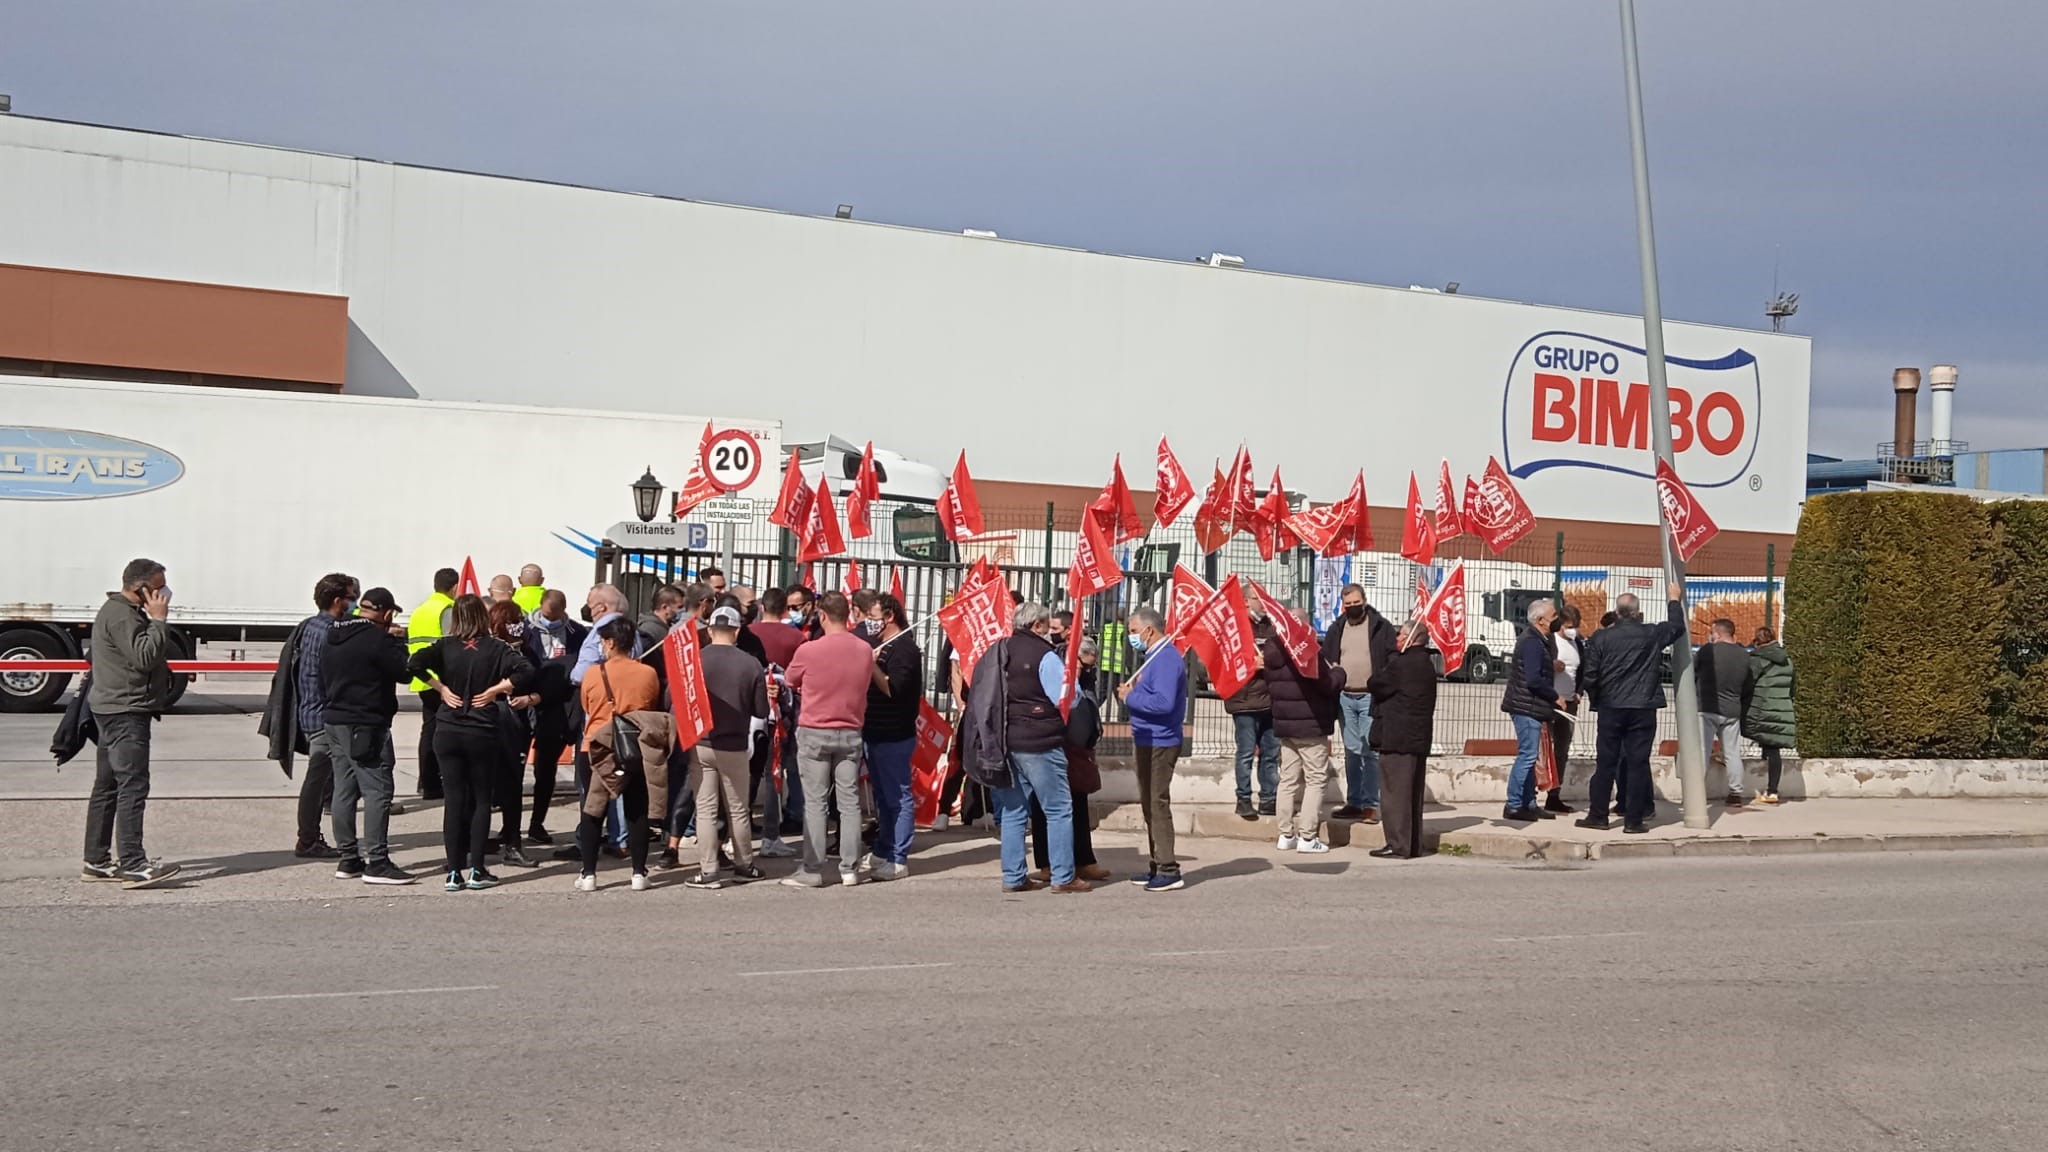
(1119, 506)
(1243, 511)
(775, 730)
(1174, 492)
(1295, 634)
(807, 578)
(1418, 537)
(1690, 525)
(1212, 516)
(1184, 602)
(1221, 637)
(1070, 680)
(1444, 616)
(698, 488)
(977, 572)
(821, 536)
(688, 698)
(1337, 529)
(793, 504)
(851, 583)
(896, 583)
(469, 585)
(1469, 518)
(1273, 533)
(928, 764)
(866, 490)
(1095, 567)
(978, 617)
(1449, 525)
(1501, 517)
(959, 507)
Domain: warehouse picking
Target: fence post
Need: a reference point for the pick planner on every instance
(1557, 580)
(785, 557)
(1771, 586)
(1045, 577)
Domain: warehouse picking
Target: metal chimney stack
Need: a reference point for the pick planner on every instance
(1905, 402)
(1941, 382)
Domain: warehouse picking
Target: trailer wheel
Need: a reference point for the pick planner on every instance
(1478, 666)
(31, 691)
(181, 649)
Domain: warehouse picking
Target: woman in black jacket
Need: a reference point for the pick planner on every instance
(471, 669)
(1404, 694)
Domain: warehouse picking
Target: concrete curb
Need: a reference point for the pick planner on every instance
(1494, 843)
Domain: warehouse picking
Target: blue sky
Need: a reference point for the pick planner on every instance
(1890, 159)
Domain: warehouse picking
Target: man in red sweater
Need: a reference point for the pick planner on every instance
(830, 676)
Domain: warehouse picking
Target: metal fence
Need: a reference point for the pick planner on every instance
(1032, 548)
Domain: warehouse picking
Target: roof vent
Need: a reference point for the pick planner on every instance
(1225, 260)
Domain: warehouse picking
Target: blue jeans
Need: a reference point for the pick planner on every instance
(895, 813)
(1256, 740)
(1044, 775)
(1522, 777)
(1361, 763)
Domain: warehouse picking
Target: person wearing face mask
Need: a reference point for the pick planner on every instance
(1405, 689)
(1156, 696)
(1571, 650)
(662, 614)
(778, 636)
(889, 735)
(803, 612)
(1358, 641)
(867, 622)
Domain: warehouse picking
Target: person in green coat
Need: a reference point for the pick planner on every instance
(1767, 706)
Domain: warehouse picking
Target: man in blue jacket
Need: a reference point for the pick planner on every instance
(1157, 699)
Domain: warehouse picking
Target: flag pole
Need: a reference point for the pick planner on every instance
(1692, 768)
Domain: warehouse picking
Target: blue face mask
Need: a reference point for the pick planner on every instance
(793, 619)
(1138, 642)
(348, 608)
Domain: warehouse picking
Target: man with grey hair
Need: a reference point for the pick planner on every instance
(1531, 700)
(1156, 696)
(1623, 676)
(131, 687)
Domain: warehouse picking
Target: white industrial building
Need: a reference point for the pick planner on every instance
(468, 287)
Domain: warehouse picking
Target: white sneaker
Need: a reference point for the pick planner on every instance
(890, 870)
(639, 881)
(1285, 843)
(586, 883)
(688, 842)
(725, 846)
(1311, 845)
(940, 823)
(849, 876)
(774, 848)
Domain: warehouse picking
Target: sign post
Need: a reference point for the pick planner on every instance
(1692, 767)
(731, 460)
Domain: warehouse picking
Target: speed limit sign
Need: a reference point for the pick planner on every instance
(731, 459)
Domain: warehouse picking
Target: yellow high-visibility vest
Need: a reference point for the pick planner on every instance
(423, 627)
(528, 597)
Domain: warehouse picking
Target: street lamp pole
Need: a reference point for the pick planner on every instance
(1692, 769)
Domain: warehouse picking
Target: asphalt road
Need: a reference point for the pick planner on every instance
(1890, 1002)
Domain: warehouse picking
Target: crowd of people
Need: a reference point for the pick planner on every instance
(813, 695)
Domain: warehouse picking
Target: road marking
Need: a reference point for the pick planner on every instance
(1243, 951)
(1571, 936)
(377, 992)
(861, 968)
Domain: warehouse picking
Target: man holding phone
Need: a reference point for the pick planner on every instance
(131, 686)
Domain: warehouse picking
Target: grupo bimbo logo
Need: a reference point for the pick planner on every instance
(67, 464)
(1574, 400)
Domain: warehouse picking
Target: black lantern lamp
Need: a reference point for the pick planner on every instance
(646, 495)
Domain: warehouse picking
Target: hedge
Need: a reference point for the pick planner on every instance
(1918, 623)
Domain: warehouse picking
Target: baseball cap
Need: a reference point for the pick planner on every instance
(727, 617)
(380, 599)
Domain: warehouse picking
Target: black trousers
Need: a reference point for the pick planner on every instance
(1624, 755)
(509, 786)
(1774, 763)
(470, 759)
(120, 790)
(550, 735)
(1561, 750)
(430, 760)
(1401, 794)
(590, 829)
(316, 791)
(1084, 847)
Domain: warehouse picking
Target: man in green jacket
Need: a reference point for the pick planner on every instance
(131, 686)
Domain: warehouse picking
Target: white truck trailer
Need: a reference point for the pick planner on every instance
(250, 496)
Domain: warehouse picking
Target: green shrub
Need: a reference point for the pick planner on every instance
(2019, 698)
(1896, 621)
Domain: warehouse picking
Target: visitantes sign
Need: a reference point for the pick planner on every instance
(68, 464)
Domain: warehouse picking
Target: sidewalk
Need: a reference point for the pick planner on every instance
(1804, 827)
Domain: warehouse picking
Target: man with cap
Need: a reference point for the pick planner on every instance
(738, 687)
(360, 674)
